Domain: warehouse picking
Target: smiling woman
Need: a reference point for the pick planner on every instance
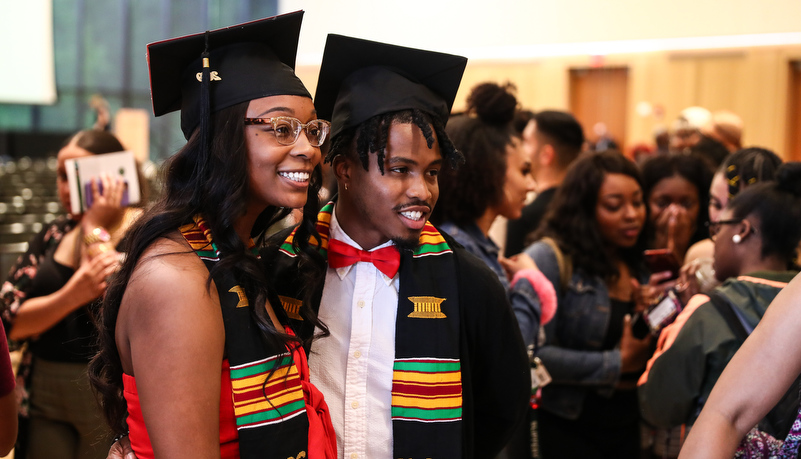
(192, 291)
(590, 249)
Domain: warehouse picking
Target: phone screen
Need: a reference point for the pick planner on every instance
(659, 260)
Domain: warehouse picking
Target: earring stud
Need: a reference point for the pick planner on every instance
(736, 238)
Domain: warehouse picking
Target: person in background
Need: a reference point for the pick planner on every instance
(686, 129)
(755, 240)
(762, 372)
(740, 170)
(521, 120)
(554, 140)
(710, 150)
(590, 249)
(493, 181)
(727, 128)
(197, 358)
(676, 190)
(8, 400)
(48, 302)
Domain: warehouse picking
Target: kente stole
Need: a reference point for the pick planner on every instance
(427, 378)
(270, 418)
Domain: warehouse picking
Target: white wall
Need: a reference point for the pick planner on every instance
(27, 72)
(519, 29)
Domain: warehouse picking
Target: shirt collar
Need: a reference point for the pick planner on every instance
(336, 232)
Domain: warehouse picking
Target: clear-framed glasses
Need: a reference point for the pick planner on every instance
(714, 227)
(287, 129)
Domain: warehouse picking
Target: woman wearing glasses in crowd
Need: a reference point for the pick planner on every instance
(194, 347)
(755, 239)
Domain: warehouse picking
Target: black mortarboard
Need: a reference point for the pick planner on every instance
(360, 79)
(247, 61)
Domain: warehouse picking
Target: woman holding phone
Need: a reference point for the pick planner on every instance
(48, 303)
(590, 249)
(755, 239)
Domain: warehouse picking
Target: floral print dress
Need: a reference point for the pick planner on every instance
(17, 287)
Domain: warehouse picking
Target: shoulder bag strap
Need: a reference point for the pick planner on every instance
(723, 306)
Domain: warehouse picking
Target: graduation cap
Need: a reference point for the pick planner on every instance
(360, 79)
(246, 61)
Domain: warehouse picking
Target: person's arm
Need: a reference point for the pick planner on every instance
(39, 314)
(500, 377)
(8, 400)
(171, 338)
(753, 382)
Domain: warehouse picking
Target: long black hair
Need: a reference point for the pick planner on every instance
(571, 220)
(212, 182)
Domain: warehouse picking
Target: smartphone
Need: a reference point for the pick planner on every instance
(659, 260)
(657, 317)
(89, 196)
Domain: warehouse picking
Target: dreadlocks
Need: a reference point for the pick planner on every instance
(371, 136)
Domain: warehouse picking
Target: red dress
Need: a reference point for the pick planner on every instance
(140, 441)
(322, 439)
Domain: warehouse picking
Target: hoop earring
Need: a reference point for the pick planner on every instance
(737, 239)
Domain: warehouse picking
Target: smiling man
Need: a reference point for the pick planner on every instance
(424, 357)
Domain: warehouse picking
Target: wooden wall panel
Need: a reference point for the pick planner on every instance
(752, 82)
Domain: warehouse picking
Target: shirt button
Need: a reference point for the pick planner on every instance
(355, 404)
(357, 354)
(354, 456)
(360, 303)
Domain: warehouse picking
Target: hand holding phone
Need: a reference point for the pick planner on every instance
(660, 260)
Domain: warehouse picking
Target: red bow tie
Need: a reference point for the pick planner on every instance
(386, 260)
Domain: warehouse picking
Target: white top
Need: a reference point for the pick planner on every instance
(353, 366)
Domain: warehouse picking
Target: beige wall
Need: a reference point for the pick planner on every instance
(752, 82)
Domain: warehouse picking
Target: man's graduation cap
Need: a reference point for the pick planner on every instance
(246, 61)
(360, 79)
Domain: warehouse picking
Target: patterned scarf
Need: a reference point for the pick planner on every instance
(427, 379)
(267, 393)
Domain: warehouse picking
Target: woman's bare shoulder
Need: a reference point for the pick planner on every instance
(169, 274)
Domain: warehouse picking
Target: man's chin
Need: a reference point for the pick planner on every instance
(407, 244)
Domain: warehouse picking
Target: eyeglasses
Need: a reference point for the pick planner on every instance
(287, 129)
(714, 227)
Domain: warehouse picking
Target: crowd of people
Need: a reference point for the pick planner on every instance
(622, 309)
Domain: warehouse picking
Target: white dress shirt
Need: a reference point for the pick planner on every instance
(353, 366)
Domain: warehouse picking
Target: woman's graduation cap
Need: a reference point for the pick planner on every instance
(360, 79)
(243, 62)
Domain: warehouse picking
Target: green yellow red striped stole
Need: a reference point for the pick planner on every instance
(427, 371)
(257, 403)
(267, 393)
(427, 378)
(427, 390)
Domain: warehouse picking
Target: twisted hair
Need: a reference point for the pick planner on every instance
(467, 192)
(371, 137)
(777, 207)
(748, 166)
(212, 182)
(571, 220)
